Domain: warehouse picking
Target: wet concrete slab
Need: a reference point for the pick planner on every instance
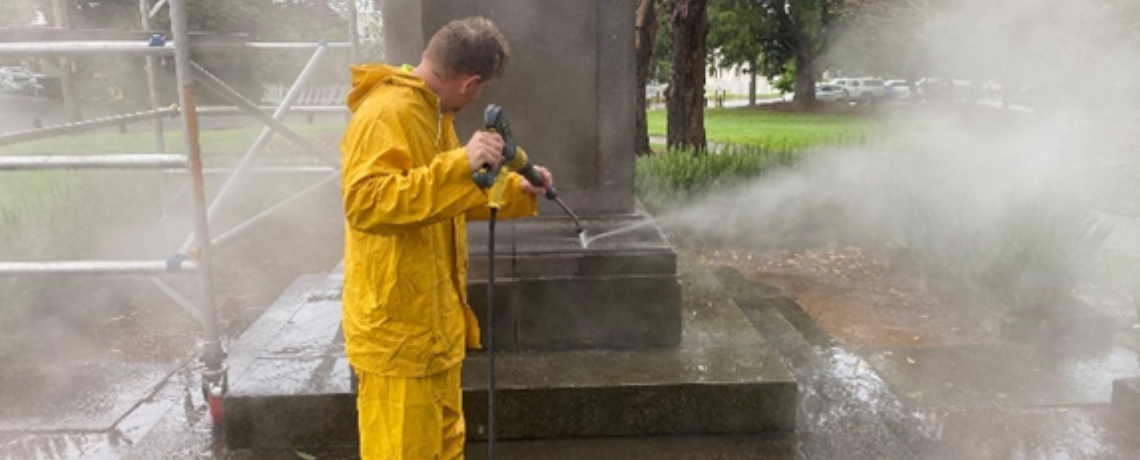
(1004, 374)
(83, 396)
(290, 384)
(1032, 433)
(997, 400)
(68, 440)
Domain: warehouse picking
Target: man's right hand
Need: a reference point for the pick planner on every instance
(484, 148)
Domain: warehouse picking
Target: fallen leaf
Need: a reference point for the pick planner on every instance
(305, 456)
(909, 360)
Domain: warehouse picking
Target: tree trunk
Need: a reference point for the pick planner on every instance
(686, 108)
(646, 42)
(805, 75)
(752, 65)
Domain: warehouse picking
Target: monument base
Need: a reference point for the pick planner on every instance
(290, 383)
(619, 290)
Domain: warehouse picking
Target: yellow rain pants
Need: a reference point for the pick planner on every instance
(411, 418)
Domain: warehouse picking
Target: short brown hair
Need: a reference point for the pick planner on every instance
(471, 46)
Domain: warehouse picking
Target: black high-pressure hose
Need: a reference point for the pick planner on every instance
(491, 336)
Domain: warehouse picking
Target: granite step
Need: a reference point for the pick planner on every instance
(290, 384)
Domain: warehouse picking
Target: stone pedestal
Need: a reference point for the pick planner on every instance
(1126, 402)
(569, 96)
(552, 293)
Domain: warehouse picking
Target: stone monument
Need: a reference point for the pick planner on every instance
(569, 95)
(591, 337)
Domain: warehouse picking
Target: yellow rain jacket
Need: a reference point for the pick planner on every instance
(408, 193)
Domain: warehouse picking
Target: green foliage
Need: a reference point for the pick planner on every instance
(787, 81)
(736, 30)
(70, 216)
(1026, 258)
(662, 67)
(677, 176)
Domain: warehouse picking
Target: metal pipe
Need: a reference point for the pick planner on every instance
(45, 49)
(118, 161)
(98, 267)
(151, 82)
(213, 357)
(267, 133)
(262, 170)
(178, 299)
(83, 126)
(157, 6)
(220, 88)
(262, 138)
(308, 109)
(276, 45)
(232, 234)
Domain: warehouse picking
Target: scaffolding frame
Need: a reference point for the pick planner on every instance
(195, 256)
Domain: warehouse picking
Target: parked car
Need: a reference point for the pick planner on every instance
(862, 90)
(20, 81)
(897, 89)
(831, 93)
(945, 89)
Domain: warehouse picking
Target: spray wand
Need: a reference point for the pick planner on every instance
(491, 177)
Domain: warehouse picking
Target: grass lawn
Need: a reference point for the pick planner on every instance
(775, 129)
(27, 196)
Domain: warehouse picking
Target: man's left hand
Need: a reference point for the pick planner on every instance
(547, 181)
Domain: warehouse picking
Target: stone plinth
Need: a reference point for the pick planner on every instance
(552, 293)
(290, 385)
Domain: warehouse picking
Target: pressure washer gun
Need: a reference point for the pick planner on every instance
(515, 160)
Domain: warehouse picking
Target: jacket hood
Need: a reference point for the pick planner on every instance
(367, 77)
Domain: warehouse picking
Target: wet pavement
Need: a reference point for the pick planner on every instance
(1045, 399)
(91, 411)
(1003, 400)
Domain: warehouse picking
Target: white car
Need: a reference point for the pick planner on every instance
(831, 93)
(897, 89)
(862, 90)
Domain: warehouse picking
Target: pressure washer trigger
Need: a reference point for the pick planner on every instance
(484, 177)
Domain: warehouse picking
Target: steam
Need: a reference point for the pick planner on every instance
(1007, 203)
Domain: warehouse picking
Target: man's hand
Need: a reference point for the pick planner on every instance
(484, 148)
(547, 182)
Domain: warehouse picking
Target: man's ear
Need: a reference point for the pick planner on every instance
(470, 83)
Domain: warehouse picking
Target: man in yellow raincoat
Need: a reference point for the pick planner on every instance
(408, 192)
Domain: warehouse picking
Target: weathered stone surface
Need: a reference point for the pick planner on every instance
(567, 91)
(610, 312)
(291, 384)
(552, 292)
